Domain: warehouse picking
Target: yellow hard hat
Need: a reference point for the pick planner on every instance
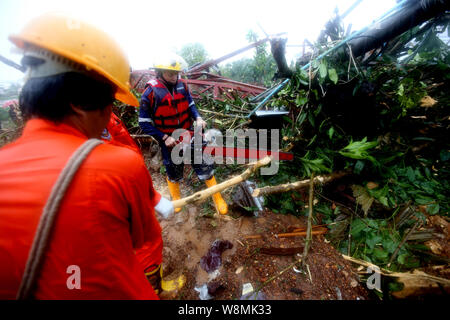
(172, 62)
(82, 43)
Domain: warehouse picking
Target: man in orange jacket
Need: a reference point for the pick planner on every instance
(105, 236)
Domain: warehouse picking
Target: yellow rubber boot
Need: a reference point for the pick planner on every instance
(221, 205)
(174, 189)
(173, 285)
(155, 277)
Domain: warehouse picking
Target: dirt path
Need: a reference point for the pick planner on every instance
(189, 235)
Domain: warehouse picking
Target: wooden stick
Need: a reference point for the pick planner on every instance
(256, 236)
(204, 194)
(297, 185)
(299, 233)
(221, 114)
(308, 239)
(321, 226)
(402, 243)
(388, 273)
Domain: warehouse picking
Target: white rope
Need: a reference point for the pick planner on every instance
(42, 236)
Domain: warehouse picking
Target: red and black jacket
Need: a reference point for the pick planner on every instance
(168, 111)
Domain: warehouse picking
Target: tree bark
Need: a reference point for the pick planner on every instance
(204, 194)
(278, 48)
(297, 185)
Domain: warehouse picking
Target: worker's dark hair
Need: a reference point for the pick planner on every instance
(51, 97)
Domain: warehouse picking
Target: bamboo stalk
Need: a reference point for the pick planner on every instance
(204, 194)
(297, 185)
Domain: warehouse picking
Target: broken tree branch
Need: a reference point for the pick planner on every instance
(204, 194)
(278, 48)
(400, 275)
(297, 185)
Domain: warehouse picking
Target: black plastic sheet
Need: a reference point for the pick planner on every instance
(213, 259)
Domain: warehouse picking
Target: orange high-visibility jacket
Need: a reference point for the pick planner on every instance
(106, 215)
(117, 134)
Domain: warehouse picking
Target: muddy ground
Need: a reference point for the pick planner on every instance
(266, 264)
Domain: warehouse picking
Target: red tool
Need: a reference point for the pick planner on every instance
(209, 147)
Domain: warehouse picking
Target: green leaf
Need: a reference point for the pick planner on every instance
(400, 90)
(433, 208)
(402, 258)
(330, 132)
(323, 69)
(373, 240)
(389, 245)
(301, 100)
(311, 119)
(358, 150)
(301, 118)
(410, 174)
(380, 254)
(332, 74)
(384, 201)
(357, 227)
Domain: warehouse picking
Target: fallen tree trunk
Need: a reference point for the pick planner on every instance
(204, 194)
(298, 184)
(410, 15)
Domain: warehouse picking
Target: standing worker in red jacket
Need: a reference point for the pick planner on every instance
(166, 105)
(104, 236)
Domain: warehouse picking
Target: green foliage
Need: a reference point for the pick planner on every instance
(10, 92)
(4, 115)
(402, 151)
(193, 53)
(259, 70)
(405, 153)
(359, 150)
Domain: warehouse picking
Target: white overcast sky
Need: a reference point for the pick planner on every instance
(146, 28)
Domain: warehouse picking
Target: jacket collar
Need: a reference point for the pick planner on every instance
(36, 125)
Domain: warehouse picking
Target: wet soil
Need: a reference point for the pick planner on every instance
(269, 264)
